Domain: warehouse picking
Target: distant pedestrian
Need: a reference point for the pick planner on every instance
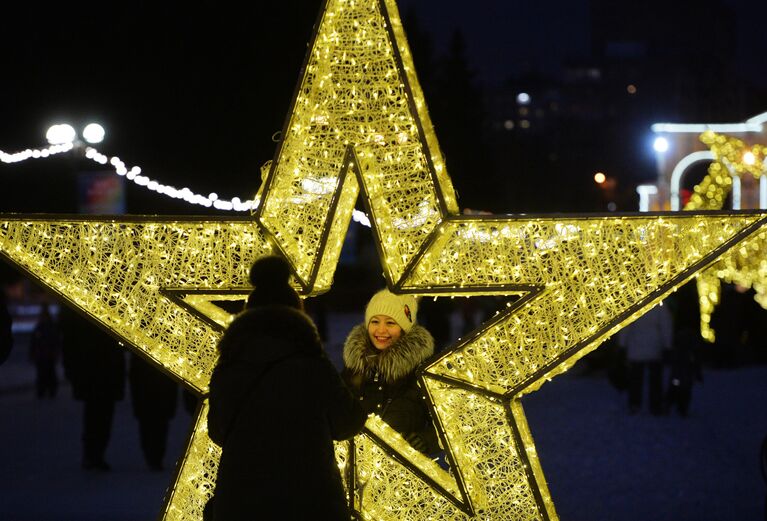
(45, 350)
(729, 322)
(685, 363)
(6, 334)
(436, 316)
(154, 397)
(276, 405)
(645, 340)
(763, 468)
(95, 366)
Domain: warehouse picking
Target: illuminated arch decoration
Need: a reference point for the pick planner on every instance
(745, 265)
(680, 169)
(359, 122)
(685, 152)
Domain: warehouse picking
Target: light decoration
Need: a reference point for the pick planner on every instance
(35, 153)
(235, 204)
(744, 265)
(134, 175)
(645, 192)
(580, 279)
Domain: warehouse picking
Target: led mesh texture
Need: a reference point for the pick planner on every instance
(116, 270)
(583, 278)
(355, 97)
(745, 265)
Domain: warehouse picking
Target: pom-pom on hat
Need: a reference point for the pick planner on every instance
(270, 277)
(402, 308)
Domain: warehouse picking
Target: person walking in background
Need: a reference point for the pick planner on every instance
(44, 350)
(685, 363)
(6, 332)
(95, 366)
(381, 356)
(276, 405)
(435, 315)
(729, 322)
(645, 341)
(154, 396)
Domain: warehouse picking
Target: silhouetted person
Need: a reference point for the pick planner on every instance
(154, 396)
(45, 349)
(471, 315)
(729, 324)
(6, 335)
(645, 340)
(95, 367)
(435, 315)
(276, 405)
(757, 332)
(685, 366)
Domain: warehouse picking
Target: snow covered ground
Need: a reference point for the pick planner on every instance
(601, 463)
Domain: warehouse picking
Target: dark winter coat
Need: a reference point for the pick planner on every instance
(45, 343)
(385, 383)
(154, 395)
(6, 336)
(276, 405)
(93, 362)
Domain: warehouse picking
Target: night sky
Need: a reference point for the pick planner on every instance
(510, 35)
(194, 93)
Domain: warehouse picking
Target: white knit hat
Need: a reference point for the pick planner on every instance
(402, 308)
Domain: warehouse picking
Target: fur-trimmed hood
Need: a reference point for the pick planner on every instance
(393, 363)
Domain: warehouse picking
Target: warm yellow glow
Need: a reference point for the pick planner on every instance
(599, 178)
(745, 265)
(359, 122)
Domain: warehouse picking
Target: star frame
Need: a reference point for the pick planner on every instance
(359, 123)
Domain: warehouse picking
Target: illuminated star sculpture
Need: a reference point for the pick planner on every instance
(745, 266)
(359, 122)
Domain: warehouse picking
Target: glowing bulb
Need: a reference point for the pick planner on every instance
(660, 144)
(93, 133)
(749, 158)
(60, 134)
(600, 178)
(523, 98)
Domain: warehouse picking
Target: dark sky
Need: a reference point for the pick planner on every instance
(510, 35)
(506, 36)
(193, 92)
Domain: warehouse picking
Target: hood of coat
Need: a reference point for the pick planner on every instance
(256, 340)
(393, 363)
(265, 334)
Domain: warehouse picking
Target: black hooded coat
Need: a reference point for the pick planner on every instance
(276, 405)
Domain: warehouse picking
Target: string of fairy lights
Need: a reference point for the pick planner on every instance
(135, 175)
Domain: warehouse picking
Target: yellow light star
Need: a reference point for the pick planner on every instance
(135, 277)
(744, 265)
(359, 121)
